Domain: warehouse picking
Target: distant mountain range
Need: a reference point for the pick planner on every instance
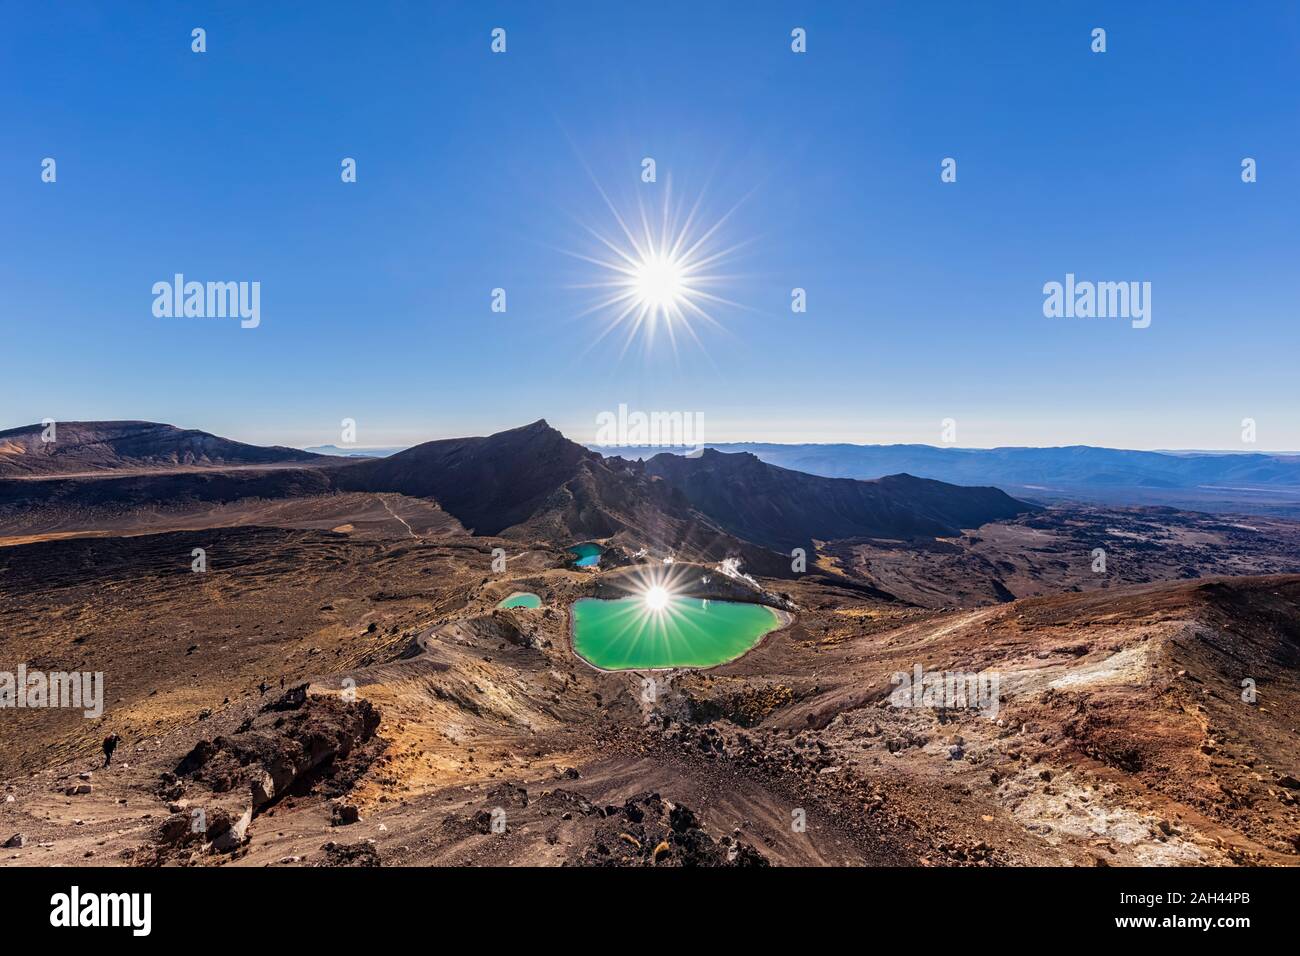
(1210, 481)
(529, 481)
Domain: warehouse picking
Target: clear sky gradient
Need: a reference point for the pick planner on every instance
(478, 171)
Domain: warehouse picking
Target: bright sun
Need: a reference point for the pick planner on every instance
(659, 282)
(657, 271)
(656, 598)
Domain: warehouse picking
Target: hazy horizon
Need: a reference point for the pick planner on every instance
(261, 438)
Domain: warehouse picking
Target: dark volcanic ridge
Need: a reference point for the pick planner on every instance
(80, 447)
(529, 481)
(782, 509)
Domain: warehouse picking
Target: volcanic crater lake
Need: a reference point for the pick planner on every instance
(522, 599)
(624, 634)
(586, 555)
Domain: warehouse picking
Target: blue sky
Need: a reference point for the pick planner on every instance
(478, 171)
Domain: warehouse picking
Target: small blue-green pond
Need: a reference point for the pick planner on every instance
(586, 555)
(522, 599)
(624, 634)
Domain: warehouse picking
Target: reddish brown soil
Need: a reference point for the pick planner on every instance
(1121, 736)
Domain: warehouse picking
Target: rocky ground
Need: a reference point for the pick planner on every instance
(350, 696)
(1056, 551)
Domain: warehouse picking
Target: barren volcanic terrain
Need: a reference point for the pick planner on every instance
(339, 686)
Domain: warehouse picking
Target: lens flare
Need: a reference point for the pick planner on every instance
(659, 271)
(656, 598)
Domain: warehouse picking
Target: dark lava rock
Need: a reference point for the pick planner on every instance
(650, 831)
(344, 814)
(350, 854)
(297, 740)
(291, 699)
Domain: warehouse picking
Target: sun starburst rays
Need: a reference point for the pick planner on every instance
(659, 273)
(659, 611)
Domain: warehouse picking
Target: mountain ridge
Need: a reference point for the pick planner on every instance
(782, 508)
(529, 481)
(109, 446)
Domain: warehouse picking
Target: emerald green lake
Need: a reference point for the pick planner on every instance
(623, 634)
(521, 599)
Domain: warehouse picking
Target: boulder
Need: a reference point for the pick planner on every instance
(235, 834)
(343, 814)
